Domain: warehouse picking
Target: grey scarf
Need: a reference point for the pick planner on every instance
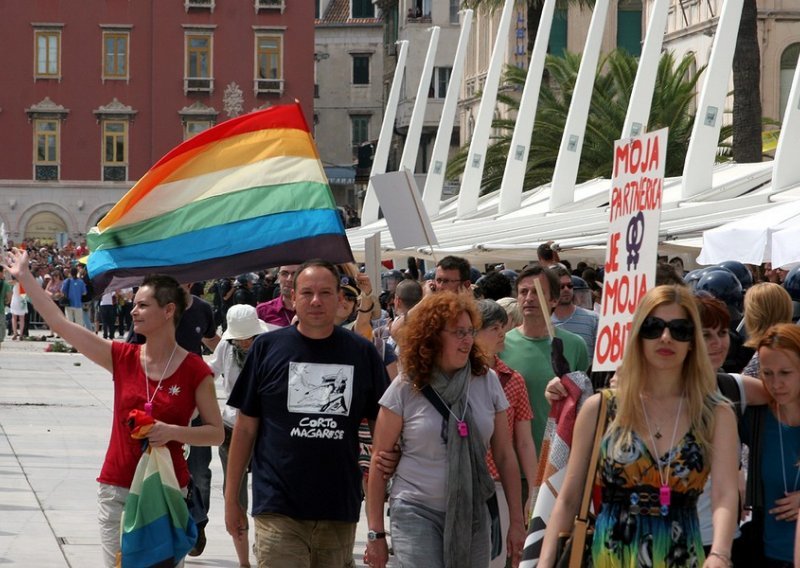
(469, 484)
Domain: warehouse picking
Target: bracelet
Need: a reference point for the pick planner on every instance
(724, 557)
(367, 311)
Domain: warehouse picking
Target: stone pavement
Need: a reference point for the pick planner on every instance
(55, 412)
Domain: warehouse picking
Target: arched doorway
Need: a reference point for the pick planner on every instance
(45, 225)
(788, 65)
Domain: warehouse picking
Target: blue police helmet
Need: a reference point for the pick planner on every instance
(510, 274)
(791, 283)
(579, 283)
(474, 274)
(740, 271)
(693, 276)
(430, 275)
(723, 285)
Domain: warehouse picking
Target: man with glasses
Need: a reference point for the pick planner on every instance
(528, 346)
(452, 273)
(280, 310)
(567, 315)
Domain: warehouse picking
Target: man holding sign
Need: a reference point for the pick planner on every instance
(527, 348)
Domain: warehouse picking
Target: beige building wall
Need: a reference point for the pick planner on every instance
(691, 26)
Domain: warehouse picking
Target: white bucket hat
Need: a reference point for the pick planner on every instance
(243, 323)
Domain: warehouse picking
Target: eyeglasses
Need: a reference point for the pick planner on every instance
(462, 333)
(569, 286)
(679, 329)
(446, 281)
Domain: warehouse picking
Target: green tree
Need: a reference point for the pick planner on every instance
(672, 106)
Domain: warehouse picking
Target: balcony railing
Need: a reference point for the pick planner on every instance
(270, 5)
(199, 4)
(272, 86)
(198, 84)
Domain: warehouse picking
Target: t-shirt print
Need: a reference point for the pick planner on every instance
(320, 388)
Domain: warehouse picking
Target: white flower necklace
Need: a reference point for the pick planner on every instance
(665, 492)
(148, 404)
(783, 460)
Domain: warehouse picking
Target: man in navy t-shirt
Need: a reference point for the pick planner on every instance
(301, 394)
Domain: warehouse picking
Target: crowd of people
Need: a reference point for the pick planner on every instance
(438, 385)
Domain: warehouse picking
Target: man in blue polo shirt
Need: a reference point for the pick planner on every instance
(74, 289)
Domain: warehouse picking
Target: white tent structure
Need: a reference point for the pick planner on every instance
(489, 232)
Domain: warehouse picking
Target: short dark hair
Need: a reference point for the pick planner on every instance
(409, 292)
(560, 271)
(545, 252)
(318, 263)
(494, 286)
(666, 274)
(456, 263)
(552, 280)
(491, 313)
(167, 290)
(73, 272)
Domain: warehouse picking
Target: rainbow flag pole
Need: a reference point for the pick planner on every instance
(247, 194)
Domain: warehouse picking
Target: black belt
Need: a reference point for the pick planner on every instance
(645, 500)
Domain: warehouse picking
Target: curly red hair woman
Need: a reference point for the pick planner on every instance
(449, 407)
(421, 338)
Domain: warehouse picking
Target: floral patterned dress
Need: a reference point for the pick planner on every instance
(631, 531)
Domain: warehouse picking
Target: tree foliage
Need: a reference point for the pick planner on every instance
(672, 106)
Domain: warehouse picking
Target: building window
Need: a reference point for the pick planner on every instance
(198, 75)
(46, 149)
(115, 55)
(48, 54)
(115, 150)
(439, 82)
(455, 7)
(363, 9)
(359, 131)
(269, 64)
(629, 26)
(789, 60)
(361, 69)
(194, 127)
(558, 34)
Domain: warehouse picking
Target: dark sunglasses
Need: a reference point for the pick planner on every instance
(679, 329)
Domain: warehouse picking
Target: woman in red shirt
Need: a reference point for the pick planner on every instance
(159, 377)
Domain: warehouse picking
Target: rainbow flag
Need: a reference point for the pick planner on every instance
(156, 525)
(247, 194)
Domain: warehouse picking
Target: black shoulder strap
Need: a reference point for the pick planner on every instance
(437, 402)
(754, 496)
(729, 387)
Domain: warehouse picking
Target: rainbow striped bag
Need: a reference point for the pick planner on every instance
(157, 529)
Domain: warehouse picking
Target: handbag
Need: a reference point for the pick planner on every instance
(575, 548)
(157, 529)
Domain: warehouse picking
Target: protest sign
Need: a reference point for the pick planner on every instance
(634, 215)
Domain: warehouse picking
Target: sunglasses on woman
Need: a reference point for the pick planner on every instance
(679, 329)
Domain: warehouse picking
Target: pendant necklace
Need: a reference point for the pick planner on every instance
(148, 400)
(463, 429)
(665, 492)
(783, 462)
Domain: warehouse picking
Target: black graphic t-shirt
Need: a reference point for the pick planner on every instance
(310, 396)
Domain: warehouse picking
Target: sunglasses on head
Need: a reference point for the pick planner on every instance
(679, 329)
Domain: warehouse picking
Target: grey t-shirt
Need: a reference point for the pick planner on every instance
(421, 475)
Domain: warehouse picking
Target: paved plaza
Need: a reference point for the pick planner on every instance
(55, 413)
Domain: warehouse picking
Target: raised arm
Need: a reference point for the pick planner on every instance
(92, 346)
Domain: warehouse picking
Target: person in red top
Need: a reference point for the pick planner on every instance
(491, 340)
(160, 378)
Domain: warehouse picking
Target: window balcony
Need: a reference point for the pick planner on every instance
(269, 86)
(199, 4)
(198, 85)
(270, 5)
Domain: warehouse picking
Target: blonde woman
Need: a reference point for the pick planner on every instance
(765, 305)
(669, 429)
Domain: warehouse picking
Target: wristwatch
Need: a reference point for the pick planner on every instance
(373, 535)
